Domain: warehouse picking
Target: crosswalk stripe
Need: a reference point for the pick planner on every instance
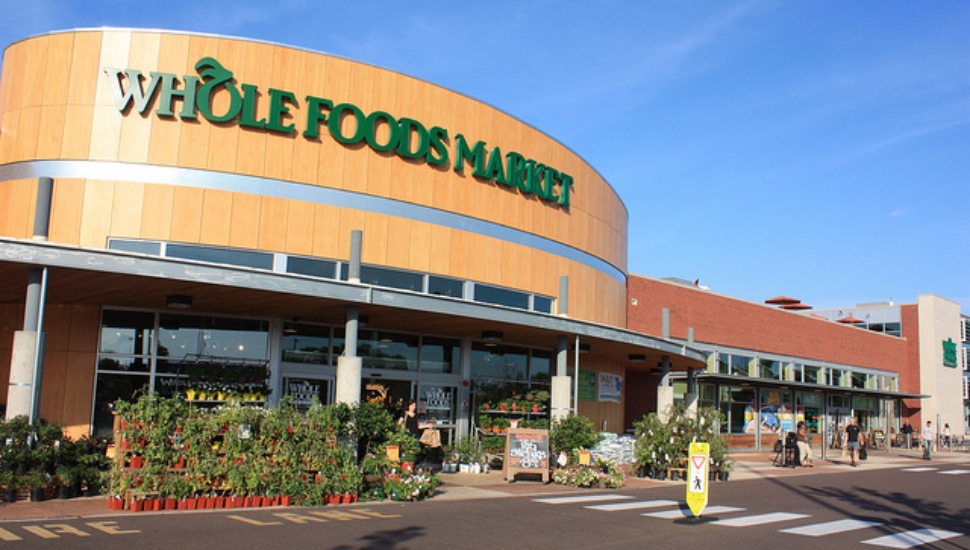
(830, 527)
(584, 498)
(761, 519)
(955, 472)
(686, 513)
(909, 539)
(632, 505)
(920, 469)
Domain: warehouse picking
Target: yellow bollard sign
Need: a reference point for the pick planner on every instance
(697, 477)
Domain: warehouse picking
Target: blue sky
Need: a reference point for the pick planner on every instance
(816, 149)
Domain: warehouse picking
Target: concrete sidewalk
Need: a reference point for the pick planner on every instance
(749, 465)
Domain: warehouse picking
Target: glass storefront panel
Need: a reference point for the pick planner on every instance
(500, 363)
(812, 374)
(540, 365)
(776, 414)
(110, 388)
(125, 364)
(438, 402)
(440, 355)
(737, 404)
(740, 365)
(183, 335)
(388, 350)
(306, 344)
(127, 332)
(809, 409)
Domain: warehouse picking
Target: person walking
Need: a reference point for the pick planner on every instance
(927, 440)
(946, 436)
(804, 449)
(853, 439)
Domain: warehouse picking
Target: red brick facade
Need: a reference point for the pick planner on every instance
(720, 320)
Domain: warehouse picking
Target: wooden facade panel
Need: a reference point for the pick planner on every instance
(605, 415)
(77, 132)
(157, 212)
(50, 131)
(136, 127)
(419, 247)
(10, 122)
(351, 220)
(126, 212)
(15, 59)
(216, 211)
(17, 200)
(165, 133)
(67, 205)
(299, 228)
(27, 133)
(440, 259)
(272, 224)
(85, 69)
(187, 215)
(244, 221)
(96, 216)
(326, 225)
(58, 69)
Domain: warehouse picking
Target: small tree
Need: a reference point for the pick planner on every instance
(573, 433)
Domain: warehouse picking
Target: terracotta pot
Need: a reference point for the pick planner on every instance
(116, 503)
(286, 501)
(169, 504)
(346, 498)
(333, 499)
(137, 505)
(136, 462)
(220, 502)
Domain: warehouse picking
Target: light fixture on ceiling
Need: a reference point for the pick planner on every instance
(491, 337)
(178, 301)
(637, 358)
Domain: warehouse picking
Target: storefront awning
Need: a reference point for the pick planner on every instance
(726, 379)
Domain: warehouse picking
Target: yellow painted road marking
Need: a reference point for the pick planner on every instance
(8, 536)
(339, 515)
(111, 528)
(252, 521)
(298, 518)
(374, 514)
(40, 532)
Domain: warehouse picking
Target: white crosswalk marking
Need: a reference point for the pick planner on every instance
(584, 498)
(686, 513)
(955, 472)
(760, 519)
(633, 505)
(910, 539)
(830, 528)
(919, 469)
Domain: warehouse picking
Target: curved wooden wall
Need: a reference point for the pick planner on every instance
(56, 104)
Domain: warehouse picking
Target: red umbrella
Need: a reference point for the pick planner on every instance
(850, 320)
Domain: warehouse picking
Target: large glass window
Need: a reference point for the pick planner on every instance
(326, 269)
(218, 255)
(133, 354)
(388, 350)
(500, 296)
(394, 278)
(738, 406)
(306, 344)
(440, 355)
(768, 368)
(443, 286)
(740, 365)
(813, 374)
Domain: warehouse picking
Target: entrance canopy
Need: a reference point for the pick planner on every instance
(120, 279)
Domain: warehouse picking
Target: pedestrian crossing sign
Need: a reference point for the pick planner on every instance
(697, 477)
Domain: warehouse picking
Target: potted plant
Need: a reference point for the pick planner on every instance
(8, 482)
(36, 482)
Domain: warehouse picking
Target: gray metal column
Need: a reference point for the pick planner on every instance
(42, 211)
(356, 242)
(349, 366)
(563, 306)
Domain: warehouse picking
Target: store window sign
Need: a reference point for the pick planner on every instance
(381, 131)
(949, 353)
(610, 387)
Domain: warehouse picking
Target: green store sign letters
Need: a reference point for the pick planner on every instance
(405, 137)
(949, 353)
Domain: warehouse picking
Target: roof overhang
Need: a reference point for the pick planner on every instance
(727, 379)
(120, 279)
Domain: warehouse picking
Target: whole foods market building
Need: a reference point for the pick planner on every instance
(228, 218)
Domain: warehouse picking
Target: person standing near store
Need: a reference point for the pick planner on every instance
(804, 449)
(853, 439)
(946, 436)
(908, 431)
(927, 440)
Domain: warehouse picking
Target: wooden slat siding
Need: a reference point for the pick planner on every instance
(223, 152)
(187, 214)
(173, 58)
(135, 135)
(126, 213)
(299, 228)
(20, 213)
(216, 211)
(157, 212)
(326, 228)
(597, 411)
(279, 149)
(67, 204)
(244, 221)
(106, 124)
(375, 227)
(596, 222)
(96, 214)
(272, 224)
